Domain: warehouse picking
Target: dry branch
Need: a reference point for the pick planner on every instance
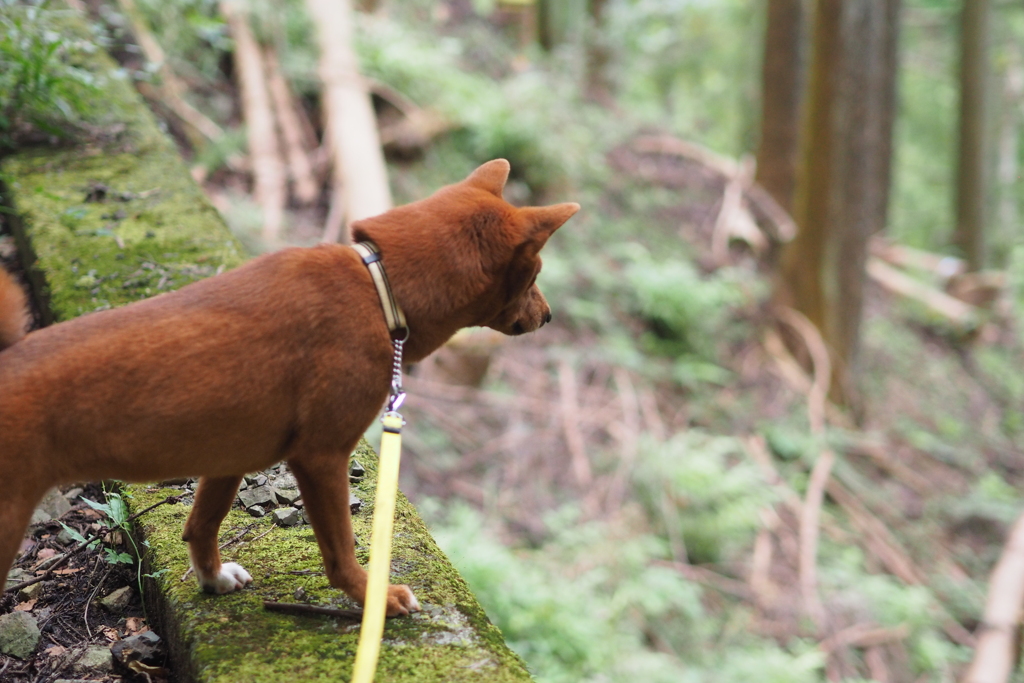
(172, 89)
(960, 314)
(907, 257)
(269, 179)
(292, 135)
(998, 641)
(817, 399)
(784, 229)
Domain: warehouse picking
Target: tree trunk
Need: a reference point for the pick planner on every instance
(842, 192)
(359, 170)
(598, 56)
(971, 184)
(782, 84)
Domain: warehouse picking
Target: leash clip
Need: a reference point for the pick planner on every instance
(397, 395)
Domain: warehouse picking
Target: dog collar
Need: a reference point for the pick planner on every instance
(370, 254)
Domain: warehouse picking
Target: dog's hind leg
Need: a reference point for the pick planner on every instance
(323, 481)
(214, 497)
(15, 513)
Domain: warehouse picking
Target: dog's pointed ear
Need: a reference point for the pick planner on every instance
(542, 221)
(491, 176)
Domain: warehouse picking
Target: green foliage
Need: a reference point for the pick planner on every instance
(583, 606)
(704, 486)
(43, 88)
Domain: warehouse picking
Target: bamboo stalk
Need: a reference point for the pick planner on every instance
(360, 176)
(269, 183)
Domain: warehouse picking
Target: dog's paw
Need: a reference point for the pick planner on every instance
(401, 601)
(232, 577)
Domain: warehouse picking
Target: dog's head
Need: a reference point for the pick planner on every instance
(486, 251)
(523, 231)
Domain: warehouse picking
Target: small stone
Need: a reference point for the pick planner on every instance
(248, 479)
(286, 496)
(96, 659)
(256, 511)
(17, 575)
(286, 517)
(299, 503)
(356, 472)
(117, 601)
(143, 647)
(19, 634)
(354, 503)
(30, 592)
(65, 537)
(259, 495)
(53, 505)
(71, 495)
(285, 480)
(261, 480)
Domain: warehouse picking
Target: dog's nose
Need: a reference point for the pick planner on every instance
(547, 317)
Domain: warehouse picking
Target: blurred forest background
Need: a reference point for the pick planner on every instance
(775, 431)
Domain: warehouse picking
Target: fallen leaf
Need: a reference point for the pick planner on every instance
(25, 606)
(55, 651)
(68, 570)
(135, 625)
(110, 634)
(45, 553)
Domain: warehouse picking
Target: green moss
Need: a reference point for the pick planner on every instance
(232, 639)
(113, 219)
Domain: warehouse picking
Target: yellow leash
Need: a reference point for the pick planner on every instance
(378, 579)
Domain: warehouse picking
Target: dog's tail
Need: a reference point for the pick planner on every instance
(13, 311)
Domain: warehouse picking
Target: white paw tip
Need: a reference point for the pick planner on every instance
(232, 577)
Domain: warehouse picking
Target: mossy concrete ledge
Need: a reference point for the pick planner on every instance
(117, 219)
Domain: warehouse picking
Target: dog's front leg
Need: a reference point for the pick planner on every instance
(214, 497)
(323, 481)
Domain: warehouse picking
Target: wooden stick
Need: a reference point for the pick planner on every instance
(286, 108)
(995, 657)
(302, 610)
(269, 180)
(960, 314)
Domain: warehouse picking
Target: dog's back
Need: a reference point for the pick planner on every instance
(13, 311)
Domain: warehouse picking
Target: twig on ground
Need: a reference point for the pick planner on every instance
(302, 610)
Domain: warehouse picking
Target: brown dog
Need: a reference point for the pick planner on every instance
(285, 358)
